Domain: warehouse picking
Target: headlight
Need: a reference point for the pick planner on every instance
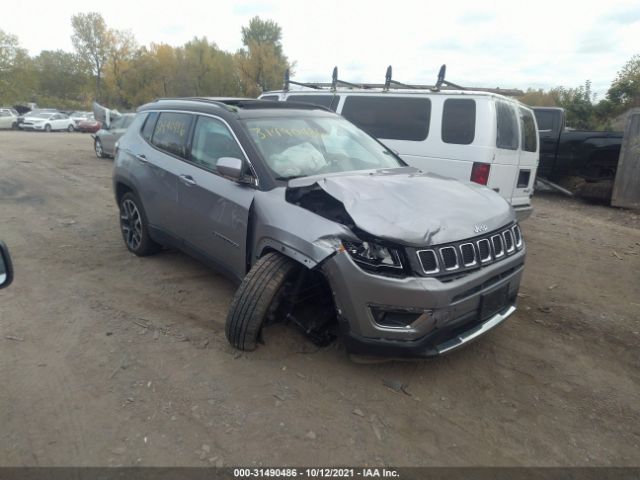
(373, 256)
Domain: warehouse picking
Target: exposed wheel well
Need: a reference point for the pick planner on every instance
(309, 302)
(121, 189)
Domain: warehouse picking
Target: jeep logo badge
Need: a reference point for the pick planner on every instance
(480, 228)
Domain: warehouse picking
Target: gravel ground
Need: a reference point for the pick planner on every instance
(108, 359)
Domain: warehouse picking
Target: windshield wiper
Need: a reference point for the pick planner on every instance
(290, 178)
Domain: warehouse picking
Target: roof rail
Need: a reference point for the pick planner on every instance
(390, 83)
(246, 103)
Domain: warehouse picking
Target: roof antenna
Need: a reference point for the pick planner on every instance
(334, 79)
(441, 74)
(387, 79)
(441, 81)
(285, 86)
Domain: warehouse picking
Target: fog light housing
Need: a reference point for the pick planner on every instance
(398, 318)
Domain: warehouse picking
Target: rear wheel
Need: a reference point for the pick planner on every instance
(134, 227)
(70, 128)
(258, 297)
(97, 146)
(47, 128)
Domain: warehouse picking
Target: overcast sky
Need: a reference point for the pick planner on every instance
(504, 43)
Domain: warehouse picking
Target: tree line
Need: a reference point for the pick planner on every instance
(108, 65)
(584, 110)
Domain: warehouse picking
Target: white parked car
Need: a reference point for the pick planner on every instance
(8, 119)
(48, 122)
(476, 136)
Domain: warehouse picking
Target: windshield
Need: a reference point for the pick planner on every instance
(304, 146)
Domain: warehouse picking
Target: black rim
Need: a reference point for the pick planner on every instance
(131, 224)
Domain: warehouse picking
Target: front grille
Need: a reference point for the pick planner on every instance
(468, 254)
(429, 261)
(518, 236)
(449, 258)
(498, 247)
(484, 248)
(446, 260)
(508, 240)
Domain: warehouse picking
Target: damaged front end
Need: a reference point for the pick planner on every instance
(365, 245)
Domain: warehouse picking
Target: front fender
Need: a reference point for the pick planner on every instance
(279, 226)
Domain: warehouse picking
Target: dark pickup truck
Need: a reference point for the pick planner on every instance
(570, 154)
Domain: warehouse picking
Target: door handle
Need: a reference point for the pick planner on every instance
(187, 180)
(141, 157)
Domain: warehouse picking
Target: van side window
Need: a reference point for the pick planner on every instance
(507, 123)
(392, 118)
(171, 133)
(323, 100)
(528, 131)
(211, 141)
(149, 123)
(459, 121)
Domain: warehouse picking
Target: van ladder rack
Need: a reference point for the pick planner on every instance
(389, 84)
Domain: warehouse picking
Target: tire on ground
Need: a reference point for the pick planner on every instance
(255, 297)
(147, 246)
(99, 151)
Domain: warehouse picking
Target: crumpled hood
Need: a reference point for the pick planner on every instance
(414, 208)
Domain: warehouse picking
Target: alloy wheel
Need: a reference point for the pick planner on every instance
(131, 224)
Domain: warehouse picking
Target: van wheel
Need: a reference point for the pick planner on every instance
(257, 297)
(134, 227)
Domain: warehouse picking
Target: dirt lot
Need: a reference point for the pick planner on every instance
(108, 359)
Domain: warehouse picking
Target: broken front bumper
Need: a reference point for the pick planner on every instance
(441, 315)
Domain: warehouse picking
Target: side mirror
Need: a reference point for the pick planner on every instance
(230, 167)
(6, 268)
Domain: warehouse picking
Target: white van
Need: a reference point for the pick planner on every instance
(475, 136)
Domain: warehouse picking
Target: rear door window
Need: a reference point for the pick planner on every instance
(507, 126)
(329, 101)
(171, 133)
(528, 131)
(459, 121)
(392, 118)
(545, 119)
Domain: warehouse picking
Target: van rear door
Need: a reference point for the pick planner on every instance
(528, 161)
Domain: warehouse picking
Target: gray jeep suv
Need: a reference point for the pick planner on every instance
(321, 225)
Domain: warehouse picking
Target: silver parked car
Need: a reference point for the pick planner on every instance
(104, 140)
(321, 224)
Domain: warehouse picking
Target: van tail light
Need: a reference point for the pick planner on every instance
(480, 173)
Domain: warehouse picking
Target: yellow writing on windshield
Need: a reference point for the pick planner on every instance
(265, 133)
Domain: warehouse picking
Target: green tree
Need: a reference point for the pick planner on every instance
(263, 32)
(16, 71)
(93, 42)
(261, 63)
(624, 92)
(123, 47)
(61, 75)
(578, 104)
(538, 98)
